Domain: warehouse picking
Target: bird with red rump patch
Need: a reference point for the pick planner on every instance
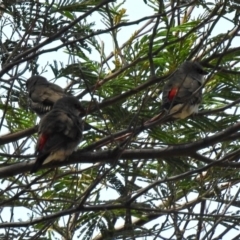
(60, 132)
(183, 91)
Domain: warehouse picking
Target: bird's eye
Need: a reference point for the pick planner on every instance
(201, 71)
(78, 107)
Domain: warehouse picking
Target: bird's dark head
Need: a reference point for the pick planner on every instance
(71, 104)
(35, 80)
(193, 67)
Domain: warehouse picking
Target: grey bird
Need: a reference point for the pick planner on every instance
(59, 133)
(183, 91)
(42, 94)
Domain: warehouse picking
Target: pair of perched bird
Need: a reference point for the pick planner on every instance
(60, 129)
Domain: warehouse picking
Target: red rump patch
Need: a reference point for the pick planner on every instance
(172, 93)
(42, 140)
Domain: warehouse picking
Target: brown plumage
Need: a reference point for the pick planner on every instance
(60, 132)
(42, 94)
(183, 91)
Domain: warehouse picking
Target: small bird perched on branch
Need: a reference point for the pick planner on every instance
(42, 94)
(182, 94)
(59, 133)
(183, 91)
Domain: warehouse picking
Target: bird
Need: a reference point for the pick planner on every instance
(59, 132)
(42, 94)
(183, 91)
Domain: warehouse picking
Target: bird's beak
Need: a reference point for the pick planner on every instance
(82, 111)
(204, 72)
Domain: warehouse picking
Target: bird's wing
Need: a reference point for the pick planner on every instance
(38, 107)
(46, 93)
(57, 128)
(181, 90)
(189, 91)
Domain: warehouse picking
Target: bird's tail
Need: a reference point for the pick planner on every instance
(38, 163)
